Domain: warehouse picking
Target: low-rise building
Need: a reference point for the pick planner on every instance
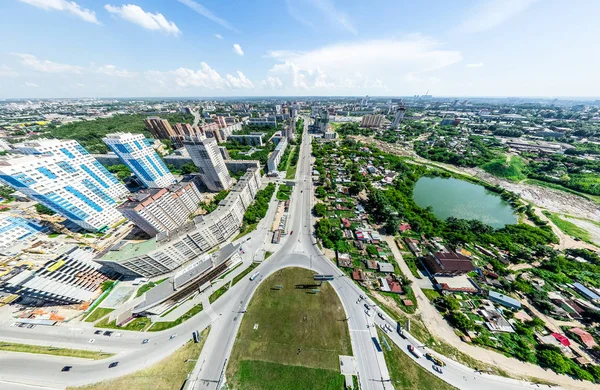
(504, 300)
(447, 263)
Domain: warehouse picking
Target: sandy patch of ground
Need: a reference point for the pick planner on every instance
(591, 227)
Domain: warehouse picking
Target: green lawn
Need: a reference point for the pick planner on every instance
(515, 169)
(168, 374)
(139, 324)
(243, 274)
(37, 349)
(213, 297)
(406, 374)
(158, 326)
(267, 255)
(261, 375)
(97, 314)
(430, 294)
(278, 323)
(568, 228)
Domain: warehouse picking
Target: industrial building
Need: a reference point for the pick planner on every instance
(161, 209)
(171, 250)
(135, 152)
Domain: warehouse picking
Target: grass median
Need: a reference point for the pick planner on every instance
(158, 326)
(44, 350)
(97, 314)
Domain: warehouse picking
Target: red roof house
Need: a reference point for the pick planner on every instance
(585, 337)
(562, 339)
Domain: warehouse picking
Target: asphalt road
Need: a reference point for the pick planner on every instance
(298, 249)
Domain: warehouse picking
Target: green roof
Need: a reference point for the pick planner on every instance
(130, 250)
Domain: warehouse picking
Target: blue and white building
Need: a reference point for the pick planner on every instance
(16, 229)
(79, 194)
(77, 158)
(140, 157)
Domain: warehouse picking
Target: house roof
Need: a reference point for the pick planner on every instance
(585, 337)
(504, 299)
(586, 291)
(385, 267)
(448, 264)
(357, 275)
(562, 339)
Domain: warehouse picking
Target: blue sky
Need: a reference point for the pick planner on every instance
(107, 48)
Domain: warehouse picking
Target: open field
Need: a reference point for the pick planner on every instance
(168, 374)
(568, 228)
(406, 374)
(289, 337)
(38, 349)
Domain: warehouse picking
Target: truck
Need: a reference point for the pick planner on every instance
(400, 331)
(254, 276)
(435, 360)
(414, 351)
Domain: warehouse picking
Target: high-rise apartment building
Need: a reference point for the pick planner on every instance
(77, 194)
(161, 209)
(78, 158)
(399, 115)
(183, 130)
(371, 120)
(207, 157)
(141, 158)
(16, 229)
(159, 128)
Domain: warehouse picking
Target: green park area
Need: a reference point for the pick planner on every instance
(290, 337)
(405, 373)
(168, 374)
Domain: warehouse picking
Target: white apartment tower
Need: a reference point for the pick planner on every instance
(207, 157)
(140, 157)
(81, 196)
(80, 160)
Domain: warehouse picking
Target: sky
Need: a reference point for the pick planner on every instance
(213, 48)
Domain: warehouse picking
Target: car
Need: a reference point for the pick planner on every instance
(66, 368)
(380, 315)
(31, 326)
(22, 325)
(145, 341)
(98, 332)
(91, 340)
(437, 369)
(108, 333)
(113, 364)
(435, 360)
(173, 336)
(367, 306)
(14, 324)
(301, 191)
(292, 232)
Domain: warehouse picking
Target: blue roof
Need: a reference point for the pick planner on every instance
(503, 298)
(586, 291)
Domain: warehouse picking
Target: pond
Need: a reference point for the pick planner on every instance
(461, 199)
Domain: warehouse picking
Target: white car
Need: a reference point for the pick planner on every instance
(91, 340)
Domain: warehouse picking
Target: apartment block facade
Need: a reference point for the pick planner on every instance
(159, 210)
(172, 249)
(141, 158)
(207, 157)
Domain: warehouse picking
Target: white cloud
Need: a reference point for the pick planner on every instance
(303, 12)
(218, 36)
(31, 85)
(147, 20)
(205, 77)
(475, 65)
(202, 10)
(272, 82)
(374, 64)
(239, 82)
(64, 5)
(492, 13)
(46, 66)
(111, 70)
(6, 71)
(237, 49)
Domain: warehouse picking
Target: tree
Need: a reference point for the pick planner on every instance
(41, 209)
(320, 209)
(461, 321)
(188, 168)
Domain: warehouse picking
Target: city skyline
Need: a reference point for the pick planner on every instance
(190, 48)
